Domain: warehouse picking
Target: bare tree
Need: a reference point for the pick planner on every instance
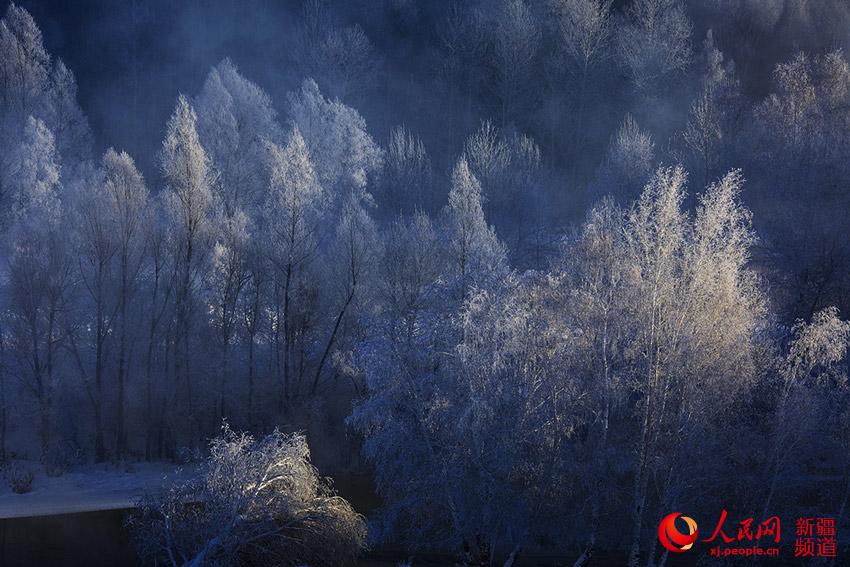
(583, 33)
(654, 42)
(630, 159)
(516, 41)
(408, 173)
(342, 59)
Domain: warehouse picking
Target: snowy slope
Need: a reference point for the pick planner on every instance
(88, 489)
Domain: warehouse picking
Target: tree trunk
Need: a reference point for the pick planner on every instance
(331, 341)
(121, 441)
(287, 339)
(149, 399)
(250, 380)
(641, 476)
(278, 374)
(2, 398)
(47, 409)
(222, 410)
(99, 446)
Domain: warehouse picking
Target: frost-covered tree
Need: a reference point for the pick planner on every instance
(31, 177)
(808, 112)
(589, 288)
(798, 133)
(39, 275)
(792, 111)
(409, 265)
(40, 279)
(654, 42)
(515, 408)
(714, 114)
(352, 257)
(95, 250)
(475, 251)
(31, 84)
(25, 67)
(189, 205)
(814, 355)
(74, 139)
(630, 159)
(515, 43)
(156, 288)
(508, 168)
(263, 502)
(488, 154)
(583, 30)
(127, 202)
(408, 174)
(703, 133)
(109, 216)
(400, 415)
(344, 154)
(463, 40)
(224, 282)
(294, 208)
(341, 58)
(252, 312)
(697, 309)
(235, 119)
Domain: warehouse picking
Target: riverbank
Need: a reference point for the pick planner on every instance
(87, 489)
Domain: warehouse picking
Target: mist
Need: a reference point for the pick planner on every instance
(505, 270)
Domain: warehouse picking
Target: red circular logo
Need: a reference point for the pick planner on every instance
(670, 536)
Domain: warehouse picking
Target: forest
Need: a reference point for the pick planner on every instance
(543, 271)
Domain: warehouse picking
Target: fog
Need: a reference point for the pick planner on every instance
(526, 266)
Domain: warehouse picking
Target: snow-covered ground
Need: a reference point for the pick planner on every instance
(87, 489)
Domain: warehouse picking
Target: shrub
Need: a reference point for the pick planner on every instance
(19, 478)
(255, 502)
(61, 458)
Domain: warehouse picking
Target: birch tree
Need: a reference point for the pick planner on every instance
(295, 205)
(408, 175)
(516, 41)
(475, 250)
(126, 202)
(583, 30)
(189, 204)
(629, 160)
(344, 155)
(341, 58)
(654, 42)
(353, 255)
(40, 273)
(235, 119)
(698, 309)
(225, 280)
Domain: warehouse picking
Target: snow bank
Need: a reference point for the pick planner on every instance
(88, 489)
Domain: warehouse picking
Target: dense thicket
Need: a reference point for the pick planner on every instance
(550, 318)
